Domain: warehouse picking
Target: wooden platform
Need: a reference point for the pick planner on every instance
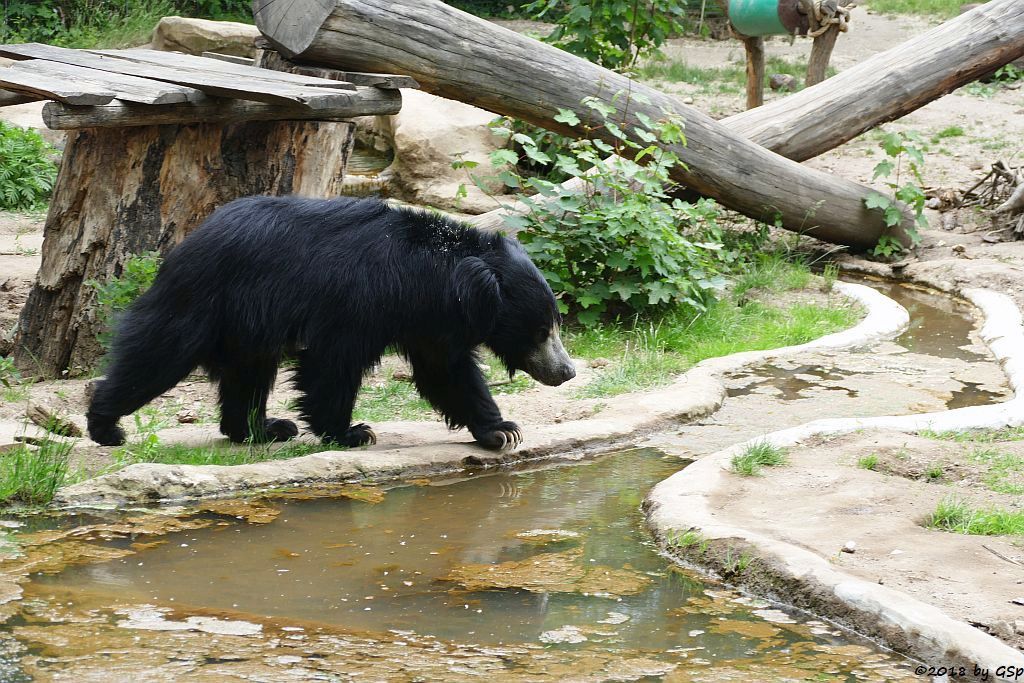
(137, 87)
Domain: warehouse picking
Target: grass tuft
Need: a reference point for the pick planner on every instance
(757, 456)
(868, 462)
(958, 517)
(31, 475)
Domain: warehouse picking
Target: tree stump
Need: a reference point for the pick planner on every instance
(125, 191)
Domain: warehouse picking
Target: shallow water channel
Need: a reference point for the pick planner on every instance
(540, 572)
(575, 571)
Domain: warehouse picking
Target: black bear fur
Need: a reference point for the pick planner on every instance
(334, 283)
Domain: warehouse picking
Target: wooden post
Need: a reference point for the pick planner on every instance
(754, 46)
(124, 191)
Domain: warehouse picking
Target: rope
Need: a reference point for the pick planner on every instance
(824, 14)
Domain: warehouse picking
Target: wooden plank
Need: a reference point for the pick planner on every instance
(8, 98)
(234, 59)
(269, 58)
(220, 85)
(127, 88)
(50, 88)
(201, 65)
(363, 102)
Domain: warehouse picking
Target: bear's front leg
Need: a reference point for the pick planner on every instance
(329, 391)
(457, 389)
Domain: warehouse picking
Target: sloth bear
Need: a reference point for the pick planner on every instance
(333, 283)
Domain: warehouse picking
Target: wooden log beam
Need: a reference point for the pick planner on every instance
(363, 102)
(888, 85)
(455, 55)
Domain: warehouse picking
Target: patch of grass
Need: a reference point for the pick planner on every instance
(868, 462)
(1005, 470)
(392, 400)
(940, 9)
(956, 516)
(934, 472)
(31, 475)
(149, 449)
(757, 456)
(950, 132)
(723, 79)
(689, 539)
(649, 353)
(976, 435)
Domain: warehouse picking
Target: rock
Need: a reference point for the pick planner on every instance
(427, 136)
(850, 547)
(187, 416)
(598, 362)
(196, 36)
(782, 82)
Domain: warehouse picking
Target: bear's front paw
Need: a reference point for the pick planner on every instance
(358, 435)
(504, 436)
(278, 429)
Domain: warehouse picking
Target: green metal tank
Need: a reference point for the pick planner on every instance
(765, 17)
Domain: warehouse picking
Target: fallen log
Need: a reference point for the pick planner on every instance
(455, 55)
(880, 89)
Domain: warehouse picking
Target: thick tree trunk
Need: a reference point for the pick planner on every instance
(455, 55)
(121, 192)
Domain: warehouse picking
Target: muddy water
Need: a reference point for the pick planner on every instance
(568, 565)
(940, 326)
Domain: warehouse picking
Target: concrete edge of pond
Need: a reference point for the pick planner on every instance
(696, 393)
(681, 503)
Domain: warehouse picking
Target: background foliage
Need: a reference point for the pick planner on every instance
(27, 169)
(107, 23)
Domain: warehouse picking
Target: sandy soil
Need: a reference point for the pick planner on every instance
(830, 501)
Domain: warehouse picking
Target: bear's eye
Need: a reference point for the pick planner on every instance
(542, 335)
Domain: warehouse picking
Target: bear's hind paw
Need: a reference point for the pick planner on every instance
(105, 431)
(359, 435)
(278, 429)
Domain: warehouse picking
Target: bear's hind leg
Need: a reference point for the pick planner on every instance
(148, 361)
(244, 387)
(329, 387)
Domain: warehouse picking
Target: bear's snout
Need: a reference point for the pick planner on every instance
(549, 363)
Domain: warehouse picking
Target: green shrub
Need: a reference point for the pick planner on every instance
(116, 294)
(624, 246)
(902, 149)
(612, 33)
(27, 171)
(102, 23)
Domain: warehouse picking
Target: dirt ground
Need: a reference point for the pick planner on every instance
(831, 501)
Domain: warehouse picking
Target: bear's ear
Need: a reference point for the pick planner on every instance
(478, 293)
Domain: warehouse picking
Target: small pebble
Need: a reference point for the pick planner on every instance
(850, 547)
